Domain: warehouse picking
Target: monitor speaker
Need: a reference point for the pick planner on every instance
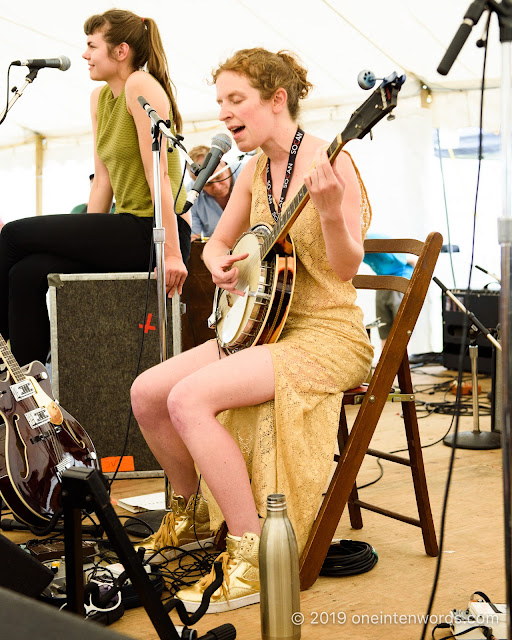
(24, 619)
(20, 571)
(485, 305)
(98, 322)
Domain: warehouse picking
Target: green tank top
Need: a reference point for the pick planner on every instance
(117, 146)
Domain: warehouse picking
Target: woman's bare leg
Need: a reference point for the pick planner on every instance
(197, 386)
(149, 394)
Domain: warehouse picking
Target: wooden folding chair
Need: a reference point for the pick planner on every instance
(392, 362)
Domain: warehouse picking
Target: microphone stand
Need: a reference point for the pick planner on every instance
(504, 13)
(161, 128)
(31, 76)
(475, 439)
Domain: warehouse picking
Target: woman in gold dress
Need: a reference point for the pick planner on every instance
(264, 419)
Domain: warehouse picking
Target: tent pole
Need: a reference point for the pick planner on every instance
(39, 153)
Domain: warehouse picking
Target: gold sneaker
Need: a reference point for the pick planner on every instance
(186, 525)
(241, 585)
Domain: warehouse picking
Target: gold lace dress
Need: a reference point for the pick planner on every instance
(288, 443)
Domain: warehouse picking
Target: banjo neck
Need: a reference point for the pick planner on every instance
(381, 102)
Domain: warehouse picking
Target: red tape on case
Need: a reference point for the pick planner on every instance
(109, 464)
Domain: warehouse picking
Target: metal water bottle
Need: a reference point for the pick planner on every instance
(279, 574)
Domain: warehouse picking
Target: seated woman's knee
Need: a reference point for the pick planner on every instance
(182, 404)
(142, 394)
(13, 230)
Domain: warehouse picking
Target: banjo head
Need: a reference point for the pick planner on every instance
(236, 311)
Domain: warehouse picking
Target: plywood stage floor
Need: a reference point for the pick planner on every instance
(390, 601)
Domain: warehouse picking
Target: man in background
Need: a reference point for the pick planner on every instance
(212, 200)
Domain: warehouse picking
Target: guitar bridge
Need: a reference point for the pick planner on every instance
(65, 463)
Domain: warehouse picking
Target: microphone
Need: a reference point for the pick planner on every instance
(63, 63)
(220, 144)
(488, 273)
(472, 16)
(155, 118)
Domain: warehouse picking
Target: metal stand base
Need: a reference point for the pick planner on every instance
(474, 440)
(87, 488)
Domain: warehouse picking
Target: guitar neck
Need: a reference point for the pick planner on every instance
(10, 361)
(290, 214)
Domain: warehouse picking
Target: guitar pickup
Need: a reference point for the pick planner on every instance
(37, 417)
(22, 390)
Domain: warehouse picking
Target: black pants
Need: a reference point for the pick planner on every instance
(31, 248)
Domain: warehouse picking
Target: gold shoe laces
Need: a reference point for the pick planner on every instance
(166, 534)
(227, 562)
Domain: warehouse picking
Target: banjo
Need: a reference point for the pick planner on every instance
(267, 275)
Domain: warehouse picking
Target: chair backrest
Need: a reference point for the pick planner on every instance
(392, 359)
(414, 290)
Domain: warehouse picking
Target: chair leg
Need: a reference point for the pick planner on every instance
(354, 510)
(416, 461)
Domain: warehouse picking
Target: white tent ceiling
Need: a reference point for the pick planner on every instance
(335, 39)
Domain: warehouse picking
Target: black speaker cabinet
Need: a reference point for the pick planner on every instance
(97, 324)
(25, 619)
(20, 571)
(485, 305)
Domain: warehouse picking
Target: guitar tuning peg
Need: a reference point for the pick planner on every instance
(391, 117)
(371, 134)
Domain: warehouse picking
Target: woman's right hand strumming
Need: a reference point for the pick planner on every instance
(225, 273)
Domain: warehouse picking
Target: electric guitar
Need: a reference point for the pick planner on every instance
(41, 440)
(267, 275)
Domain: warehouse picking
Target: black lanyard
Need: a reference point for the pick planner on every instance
(288, 175)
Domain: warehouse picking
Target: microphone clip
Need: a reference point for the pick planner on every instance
(194, 168)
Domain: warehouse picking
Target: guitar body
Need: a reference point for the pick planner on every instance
(259, 316)
(36, 457)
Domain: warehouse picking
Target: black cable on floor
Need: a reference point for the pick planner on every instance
(349, 558)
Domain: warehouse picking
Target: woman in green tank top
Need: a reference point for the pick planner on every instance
(119, 45)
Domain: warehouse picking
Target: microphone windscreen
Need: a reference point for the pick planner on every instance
(65, 63)
(222, 141)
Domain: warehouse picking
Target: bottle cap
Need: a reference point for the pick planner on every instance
(276, 502)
